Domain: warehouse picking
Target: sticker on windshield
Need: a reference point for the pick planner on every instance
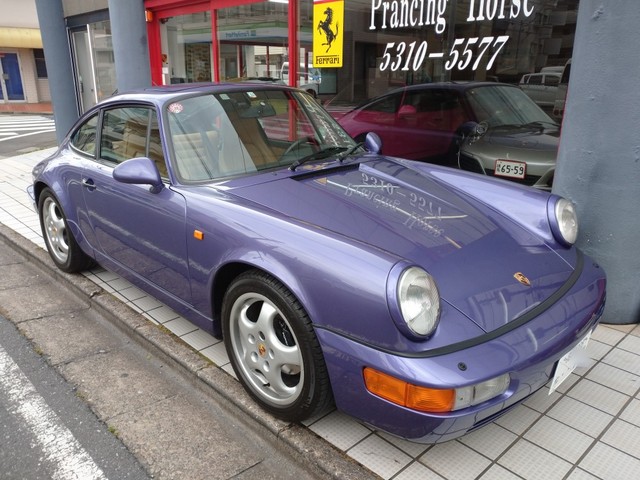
(252, 95)
(176, 107)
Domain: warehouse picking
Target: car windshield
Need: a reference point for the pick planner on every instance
(215, 136)
(505, 106)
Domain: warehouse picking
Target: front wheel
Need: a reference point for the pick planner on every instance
(61, 245)
(273, 348)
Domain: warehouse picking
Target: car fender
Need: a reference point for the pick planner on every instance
(74, 216)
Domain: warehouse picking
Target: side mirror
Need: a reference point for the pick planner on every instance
(407, 111)
(139, 171)
(373, 143)
(471, 131)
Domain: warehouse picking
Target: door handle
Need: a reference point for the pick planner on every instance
(88, 183)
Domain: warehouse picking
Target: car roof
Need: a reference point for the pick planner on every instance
(455, 85)
(159, 94)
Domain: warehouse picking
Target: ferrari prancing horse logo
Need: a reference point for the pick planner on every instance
(522, 279)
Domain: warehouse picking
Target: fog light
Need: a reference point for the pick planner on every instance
(432, 400)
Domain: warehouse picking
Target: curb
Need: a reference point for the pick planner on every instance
(310, 449)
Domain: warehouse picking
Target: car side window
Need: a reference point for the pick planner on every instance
(381, 112)
(535, 80)
(436, 109)
(388, 104)
(84, 138)
(131, 132)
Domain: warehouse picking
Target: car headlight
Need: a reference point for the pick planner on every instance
(419, 301)
(564, 222)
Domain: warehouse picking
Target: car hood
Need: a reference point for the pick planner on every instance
(523, 144)
(475, 254)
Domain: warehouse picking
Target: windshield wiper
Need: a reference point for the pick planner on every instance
(351, 150)
(539, 125)
(320, 154)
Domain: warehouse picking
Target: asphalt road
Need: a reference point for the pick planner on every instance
(47, 431)
(21, 134)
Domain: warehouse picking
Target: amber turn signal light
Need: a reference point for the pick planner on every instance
(408, 395)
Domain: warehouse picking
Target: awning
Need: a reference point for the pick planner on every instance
(20, 37)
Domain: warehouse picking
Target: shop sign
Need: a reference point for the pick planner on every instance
(328, 18)
(473, 52)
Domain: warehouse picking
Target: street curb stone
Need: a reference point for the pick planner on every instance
(200, 372)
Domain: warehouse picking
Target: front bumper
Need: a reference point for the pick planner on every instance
(528, 353)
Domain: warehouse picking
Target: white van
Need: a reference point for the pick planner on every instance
(309, 78)
(541, 87)
(561, 94)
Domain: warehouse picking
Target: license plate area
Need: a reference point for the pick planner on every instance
(568, 363)
(510, 169)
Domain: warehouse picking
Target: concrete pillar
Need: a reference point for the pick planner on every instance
(599, 157)
(59, 69)
(130, 47)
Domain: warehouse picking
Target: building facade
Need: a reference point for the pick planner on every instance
(23, 72)
(380, 44)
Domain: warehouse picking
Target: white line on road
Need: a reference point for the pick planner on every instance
(27, 134)
(25, 129)
(57, 442)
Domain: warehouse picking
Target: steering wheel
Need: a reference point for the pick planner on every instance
(297, 143)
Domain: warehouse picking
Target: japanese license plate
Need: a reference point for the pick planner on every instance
(509, 168)
(569, 362)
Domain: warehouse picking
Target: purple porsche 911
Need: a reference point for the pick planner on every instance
(423, 300)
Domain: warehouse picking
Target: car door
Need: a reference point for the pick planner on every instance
(396, 126)
(138, 232)
(438, 115)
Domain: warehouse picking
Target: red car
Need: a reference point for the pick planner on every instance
(484, 127)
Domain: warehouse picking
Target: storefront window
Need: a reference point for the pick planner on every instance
(384, 43)
(253, 44)
(253, 41)
(187, 41)
(391, 43)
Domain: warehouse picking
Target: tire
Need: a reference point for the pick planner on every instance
(61, 245)
(273, 349)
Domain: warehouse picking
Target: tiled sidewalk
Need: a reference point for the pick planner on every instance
(588, 429)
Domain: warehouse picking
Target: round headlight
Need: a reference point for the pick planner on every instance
(567, 221)
(419, 301)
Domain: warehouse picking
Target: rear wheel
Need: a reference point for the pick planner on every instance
(273, 348)
(61, 245)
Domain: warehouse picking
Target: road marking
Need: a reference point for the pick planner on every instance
(57, 442)
(27, 134)
(23, 126)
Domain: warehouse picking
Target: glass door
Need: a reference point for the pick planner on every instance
(85, 81)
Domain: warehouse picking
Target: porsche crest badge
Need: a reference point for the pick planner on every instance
(522, 279)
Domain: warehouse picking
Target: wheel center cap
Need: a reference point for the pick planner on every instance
(262, 350)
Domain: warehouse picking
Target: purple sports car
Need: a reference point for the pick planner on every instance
(423, 300)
